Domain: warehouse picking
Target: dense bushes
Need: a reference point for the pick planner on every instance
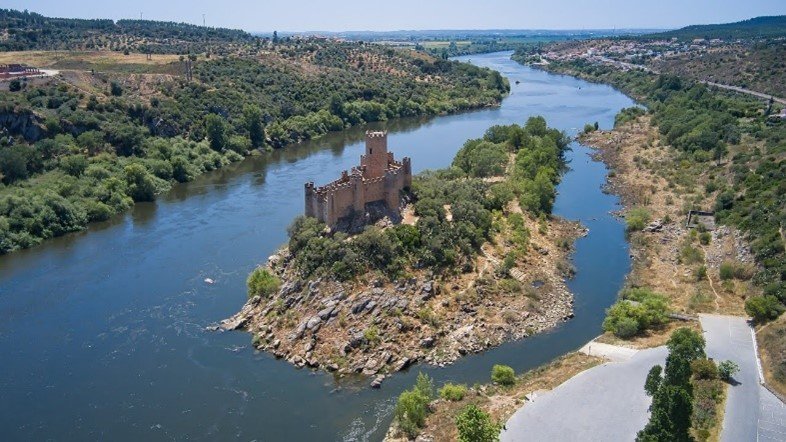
(639, 310)
(78, 190)
(636, 219)
(763, 308)
(453, 392)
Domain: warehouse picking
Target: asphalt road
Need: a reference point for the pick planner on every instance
(607, 402)
(752, 412)
(604, 403)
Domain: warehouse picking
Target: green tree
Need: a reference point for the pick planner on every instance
(13, 163)
(140, 183)
(412, 406)
(252, 115)
(671, 411)
(216, 128)
(475, 425)
(685, 346)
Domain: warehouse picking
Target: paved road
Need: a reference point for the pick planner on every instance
(752, 412)
(746, 91)
(604, 403)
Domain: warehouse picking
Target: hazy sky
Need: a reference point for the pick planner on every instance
(301, 15)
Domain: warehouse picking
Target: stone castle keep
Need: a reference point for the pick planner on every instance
(378, 179)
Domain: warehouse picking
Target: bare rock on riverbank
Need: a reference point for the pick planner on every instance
(373, 327)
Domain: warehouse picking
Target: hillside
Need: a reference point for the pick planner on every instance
(23, 31)
(759, 27)
(110, 129)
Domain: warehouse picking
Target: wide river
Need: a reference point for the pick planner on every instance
(102, 333)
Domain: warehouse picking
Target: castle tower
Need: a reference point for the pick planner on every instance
(375, 161)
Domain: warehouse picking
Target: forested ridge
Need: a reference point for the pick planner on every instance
(89, 142)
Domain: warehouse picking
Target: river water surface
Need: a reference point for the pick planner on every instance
(102, 332)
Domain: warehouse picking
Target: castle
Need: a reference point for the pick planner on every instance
(378, 179)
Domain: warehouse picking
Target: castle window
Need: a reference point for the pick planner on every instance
(370, 151)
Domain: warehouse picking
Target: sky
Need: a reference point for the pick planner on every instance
(346, 15)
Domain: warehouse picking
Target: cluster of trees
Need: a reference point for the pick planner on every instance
(686, 393)
(640, 309)
(454, 208)
(74, 188)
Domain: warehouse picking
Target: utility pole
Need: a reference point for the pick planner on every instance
(203, 20)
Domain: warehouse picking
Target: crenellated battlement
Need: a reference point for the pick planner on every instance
(379, 177)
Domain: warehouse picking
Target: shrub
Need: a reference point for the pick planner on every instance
(763, 308)
(704, 369)
(115, 89)
(701, 273)
(636, 219)
(704, 238)
(475, 425)
(453, 392)
(726, 270)
(735, 270)
(262, 283)
(503, 375)
(727, 370)
(639, 310)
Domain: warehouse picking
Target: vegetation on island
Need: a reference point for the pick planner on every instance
(81, 147)
(455, 209)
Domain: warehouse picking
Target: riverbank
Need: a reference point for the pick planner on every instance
(670, 258)
(112, 312)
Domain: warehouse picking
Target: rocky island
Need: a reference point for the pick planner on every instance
(463, 259)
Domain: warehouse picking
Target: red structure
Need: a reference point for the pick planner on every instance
(17, 71)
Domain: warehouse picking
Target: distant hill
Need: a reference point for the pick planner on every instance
(759, 27)
(23, 30)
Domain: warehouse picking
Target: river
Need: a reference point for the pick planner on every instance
(102, 333)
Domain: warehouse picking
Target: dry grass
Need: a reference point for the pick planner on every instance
(772, 349)
(44, 59)
(502, 402)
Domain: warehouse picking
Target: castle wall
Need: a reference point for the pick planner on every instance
(379, 178)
